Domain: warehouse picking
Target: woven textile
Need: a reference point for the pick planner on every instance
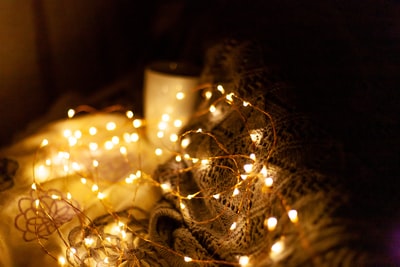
(300, 156)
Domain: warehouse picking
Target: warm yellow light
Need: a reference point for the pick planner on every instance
(178, 123)
(229, 97)
(108, 145)
(166, 187)
(183, 206)
(115, 140)
(78, 134)
(244, 176)
(269, 181)
(216, 196)
(221, 89)
(69, 196)
(92, 130)
(233, 226)
(76, 166)
(158, 151)
(137, 123)
(205, 162)
(264, 171)
(111, 126)
(123, 150)
(71, 113)
(244, 261)
(293, 216)
(45, 142)
(93, 146)
(42, 173)
(89, 242)
(54, 196)
(271, 223)
(173, 138)
(195, 160)
(95, 187)
(165, 117)
(208, 94)
(235, 192)
(178, 158)
(134, 137)
(180, 95)
(83, 180)
(62, 261)
(160, 134)
(37, 203)
(95, 163)
(33, 186)
(101, 195)
(185, 142)
(72, 141)
(67, 133)
(129, 114)
(248, 168)
(253, 156)
(162, 125)
(277, 248)
(187, 259)
(212, 109)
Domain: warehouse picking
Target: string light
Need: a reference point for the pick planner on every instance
(77, 138)
(293, 216)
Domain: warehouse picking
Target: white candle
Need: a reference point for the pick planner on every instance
(169, 98)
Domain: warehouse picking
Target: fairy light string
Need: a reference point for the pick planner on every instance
(78, 161)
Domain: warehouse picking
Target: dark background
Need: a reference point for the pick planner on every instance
(343, 58)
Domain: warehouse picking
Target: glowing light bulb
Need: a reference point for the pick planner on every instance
(69, 196)
(248, 168)
(134, 137)
(67, 133)
(221, 89)
(162, 125)
(264, 171)
(93, 146)
(229, 97)
(178, 123)
(160, 134)
(166, 187)
(233, 226)
(83, 180)
(92, 130)
(71, 113)
(123, 150)
(89, 242)
(235, 192)
(277, 248)
(165, 117)
(62, 261)
(178, 158)
(108, 145)
(185, 142)
(78, 134)
(137, 123)
(183, 206)
(101, 195)
(37, 203)
(269, 181)
(33, 186)
(180, 95)
(76, 166)
(212, 109)
(293, 216)
(173, 138)
(95, 187)
(205, 162)
(45, 142)
(95, 163)
(216, 196)
(271, 223)
(158, 151)
(195, 160)
(72, 141)
(187, 259)
(111, 126)
(115, 140)
(129, 114)
(252, 156)
(208, 94)
(245, 103)
(244, 260)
